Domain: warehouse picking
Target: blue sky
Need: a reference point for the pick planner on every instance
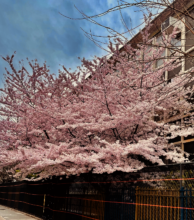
(36, 30)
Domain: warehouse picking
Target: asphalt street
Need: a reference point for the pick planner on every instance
(10, 214)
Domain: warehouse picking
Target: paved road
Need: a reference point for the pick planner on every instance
(10, 214)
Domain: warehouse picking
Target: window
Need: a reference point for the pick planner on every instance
(160, 61)
(185, 143)
(189, 148)
(160, 41)
(169, 52)
(175, 44)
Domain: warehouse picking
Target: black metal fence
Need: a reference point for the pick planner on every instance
(161, 192)
(187, 202)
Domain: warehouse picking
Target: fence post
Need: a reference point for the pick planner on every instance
(190, 203)
(181, 175)
(137, 205)
(44, 199)
(182, 202)
(122, 204)
(186, 205)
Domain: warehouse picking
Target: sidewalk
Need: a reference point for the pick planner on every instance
(12, 214)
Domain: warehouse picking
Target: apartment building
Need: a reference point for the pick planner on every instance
(180, 14)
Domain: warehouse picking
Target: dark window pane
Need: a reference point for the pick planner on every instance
(176, 139)
(189, 148)
(189, 137)
(173, 73)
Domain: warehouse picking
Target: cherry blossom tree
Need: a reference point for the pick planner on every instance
(97, 119)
